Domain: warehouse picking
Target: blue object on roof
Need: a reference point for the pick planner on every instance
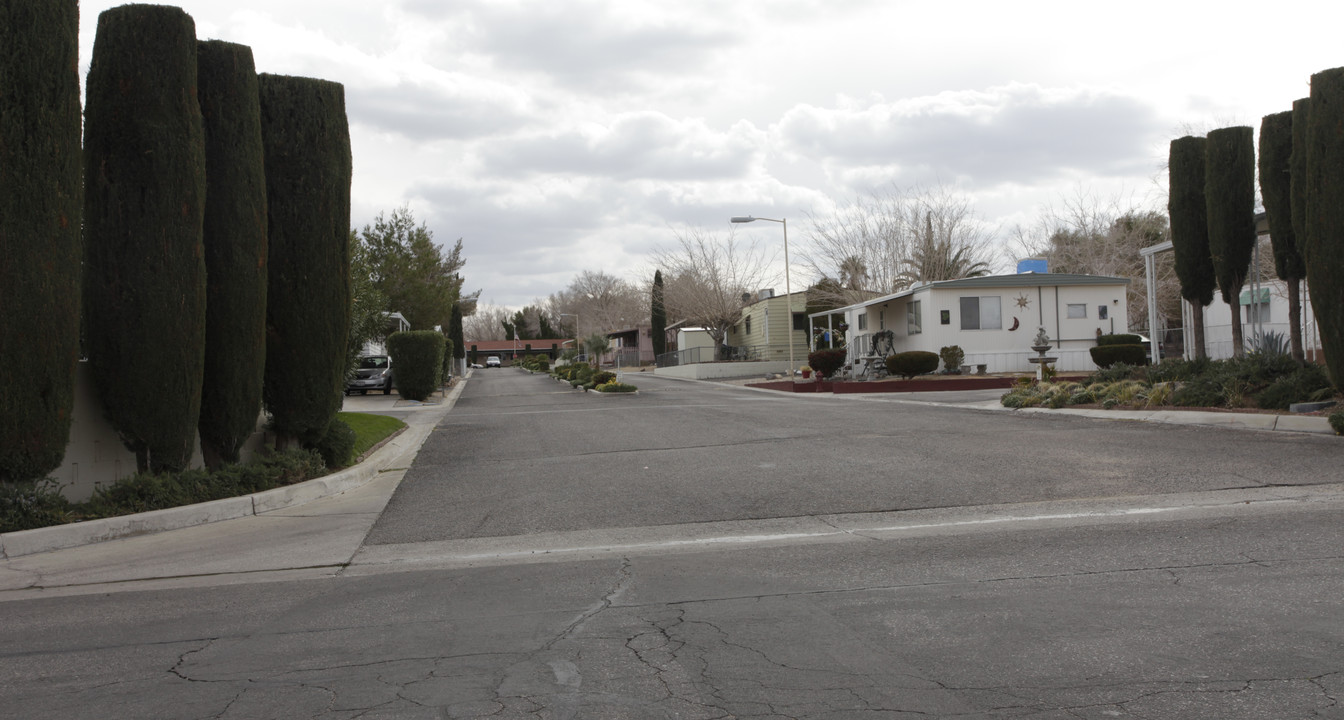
(1033, 265)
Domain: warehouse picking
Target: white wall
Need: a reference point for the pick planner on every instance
(96, 456)
(708, 371)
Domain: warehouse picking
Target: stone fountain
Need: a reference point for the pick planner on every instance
(1041, 344)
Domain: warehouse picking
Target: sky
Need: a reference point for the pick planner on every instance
(559, 136)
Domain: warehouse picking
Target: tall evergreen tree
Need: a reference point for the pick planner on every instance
(1190, 230)
(1276, 149)
(144, 268)
(1323, 251)
(1297, 173)
(40, 209)
(307, 143)
(455, 332)
(235, 249)
(1229, 195)
(658, 315)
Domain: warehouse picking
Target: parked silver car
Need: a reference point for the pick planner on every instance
(374, 373)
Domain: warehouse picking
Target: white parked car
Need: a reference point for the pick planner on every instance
(492, 361)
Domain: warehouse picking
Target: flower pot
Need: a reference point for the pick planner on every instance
(807, 374)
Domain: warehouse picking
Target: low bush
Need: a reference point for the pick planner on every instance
(1119, 339)
(1199, 392)
(1299, 386)
(337, 445)
(616, 387)
(1337, 421)
(602, 377)
(911, 363)
(1173, 369)
(952, 357)
(826, 363)
(1115, 373)
(28, 505)
(1107, 355)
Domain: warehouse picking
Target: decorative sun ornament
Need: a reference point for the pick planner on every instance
(1023, 301)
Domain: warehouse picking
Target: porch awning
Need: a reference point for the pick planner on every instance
(1263, 294)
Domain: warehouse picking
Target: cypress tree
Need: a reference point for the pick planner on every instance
(1276, 149)
(1297, 171)
(658, 315)
(1323, 251)
(455, 332)
(1190, 229)
(40, 208)
(307, 145)
(235, 249)
(144, 197)
(1229, 194)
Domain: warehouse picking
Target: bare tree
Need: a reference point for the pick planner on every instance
(1103, 236)
(600, 302)
(487, 323)
(891, 239)
(707, 274)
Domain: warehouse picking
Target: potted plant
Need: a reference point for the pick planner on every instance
(807, 372)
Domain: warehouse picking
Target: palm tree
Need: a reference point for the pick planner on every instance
(938, 256)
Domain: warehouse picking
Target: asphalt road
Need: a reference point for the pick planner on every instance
(706, 552)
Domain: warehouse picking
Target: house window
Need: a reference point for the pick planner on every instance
(863, 321)
(746, 326)
(1257, 312)
(800, 321)
(1077, 310)
(914, 323)
(1102, 312)
(981, 313)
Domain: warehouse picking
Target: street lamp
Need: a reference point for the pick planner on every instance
(788, 290)
(576, 328)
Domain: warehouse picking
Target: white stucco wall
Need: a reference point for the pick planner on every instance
(1004, 349)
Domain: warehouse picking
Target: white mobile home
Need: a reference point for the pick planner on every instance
(994, 319)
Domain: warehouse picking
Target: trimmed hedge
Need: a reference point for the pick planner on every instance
(1324, 248)
(306, 138)
(913, 362)
(418, 358)
(825, 363)
(1297, 172)
(144, 269)
(1107, 355)
(235, 249)
(41, 194)
(1119, 339)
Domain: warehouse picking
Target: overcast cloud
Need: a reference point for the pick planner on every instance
(559, 136)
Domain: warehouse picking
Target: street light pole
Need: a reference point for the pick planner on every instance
(576, 328)
(788, 289)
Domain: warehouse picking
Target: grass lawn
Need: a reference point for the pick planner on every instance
(369, 429)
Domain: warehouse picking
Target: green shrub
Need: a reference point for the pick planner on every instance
(308, 164)
(1200, 392)
(616, 387)
(1114, 373)
(144, 204)
(1107, 355)
(33, 504)
(235, 249)
(911, 363)
(41, 193)
(1299, 386)
(337, 445)
(603, 377)
(1322, 251)
(154, 491)
(1337, 421)
(826, 363)
(952, 357)
(1175, 369)
(1119, 339)
(418, 358)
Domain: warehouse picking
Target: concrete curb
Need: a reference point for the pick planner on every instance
(58, 537)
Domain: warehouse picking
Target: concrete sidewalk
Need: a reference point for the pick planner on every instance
(989, 400)
(319, 523)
